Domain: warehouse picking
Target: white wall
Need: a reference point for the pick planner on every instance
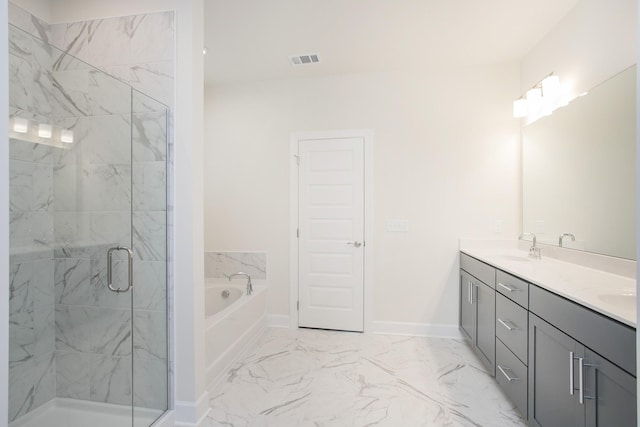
(4, 215)
(588, 46)
(446, 157)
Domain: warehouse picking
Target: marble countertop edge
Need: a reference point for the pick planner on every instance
(590, 287)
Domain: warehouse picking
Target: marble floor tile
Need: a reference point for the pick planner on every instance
(325, 378)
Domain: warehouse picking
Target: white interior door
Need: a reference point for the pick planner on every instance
(331, 233)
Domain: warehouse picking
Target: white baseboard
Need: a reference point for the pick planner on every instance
(192, 414)
(416, 329)
(278, 321)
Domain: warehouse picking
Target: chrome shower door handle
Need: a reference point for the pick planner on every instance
(110, 272)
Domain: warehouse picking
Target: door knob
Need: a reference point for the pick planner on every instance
(356, 244)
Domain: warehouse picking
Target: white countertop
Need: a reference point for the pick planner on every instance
(607, 293)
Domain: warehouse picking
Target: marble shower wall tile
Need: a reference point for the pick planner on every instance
(32, 384)
(31, 186)
(220, 264)
(137, 49)
(31, 285)
(150, 383)
(95, 330)
(31, 334)
(29, 23)
(92, 197)
(149, 132)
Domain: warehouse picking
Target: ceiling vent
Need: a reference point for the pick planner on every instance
(304, 59)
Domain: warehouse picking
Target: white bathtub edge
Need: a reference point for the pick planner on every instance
(243, 345)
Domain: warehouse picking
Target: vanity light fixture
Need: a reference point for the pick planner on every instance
(45, 130)
(40, 133)
(66, 136)
(541, 100)
(20, 125)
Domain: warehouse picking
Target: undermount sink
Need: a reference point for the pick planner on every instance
(523, 258)
(620, 299)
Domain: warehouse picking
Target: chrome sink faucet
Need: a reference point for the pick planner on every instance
(249, 284)
(534, 251)
(562, 236)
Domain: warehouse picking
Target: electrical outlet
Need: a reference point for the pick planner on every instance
(498, 225)
(539, 227)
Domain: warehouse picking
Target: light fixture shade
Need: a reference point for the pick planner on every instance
(520, 108)
(534, 95)
(45, 130)
(66, 136)
(20, 125)
(551, 87)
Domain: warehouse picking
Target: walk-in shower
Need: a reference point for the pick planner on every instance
(88, 220)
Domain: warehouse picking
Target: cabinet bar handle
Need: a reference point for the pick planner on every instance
(581, 379)
(506, 325)
(507, 376)
(508, 288)
(469, 291)
(571, 373)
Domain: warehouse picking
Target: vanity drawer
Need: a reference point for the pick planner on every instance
(478, 269)
(513, 288)
(512, 326)
(512, 375)
(608, 337)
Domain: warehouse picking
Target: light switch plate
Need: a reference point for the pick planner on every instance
(398, 225)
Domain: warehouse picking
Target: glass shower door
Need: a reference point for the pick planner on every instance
(72, 250)
(149, 233)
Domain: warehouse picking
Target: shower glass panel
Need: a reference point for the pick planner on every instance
(149, 221)
(88, 316)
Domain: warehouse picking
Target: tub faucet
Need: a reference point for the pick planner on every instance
(534, 251)
(562, 236)
(249, 284)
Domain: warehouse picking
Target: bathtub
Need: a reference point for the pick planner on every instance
(234, 322)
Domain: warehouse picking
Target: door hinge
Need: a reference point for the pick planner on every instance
(298, 233)
(298, 305)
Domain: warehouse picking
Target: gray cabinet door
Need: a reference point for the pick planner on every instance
(610, 393)
(485, 298)
(551, 381)
(467, 308)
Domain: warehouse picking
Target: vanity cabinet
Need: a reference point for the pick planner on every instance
(477, 308)
(572, 380)
(561, 363)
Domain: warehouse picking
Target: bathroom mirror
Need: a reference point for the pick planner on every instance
(579, 171)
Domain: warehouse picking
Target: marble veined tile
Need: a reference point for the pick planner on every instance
(27, 22)
(31, 186)
(111, 380)
(73, 374)
(150, 236)
(150, 383)
(32, 383)
(222, 264)
(150, 286)
(153, 78)
(149, 137)
(324, 378)
(149, 186)
(72, 279)
(31, 285)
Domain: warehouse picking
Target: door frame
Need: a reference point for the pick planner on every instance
(367, 137)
